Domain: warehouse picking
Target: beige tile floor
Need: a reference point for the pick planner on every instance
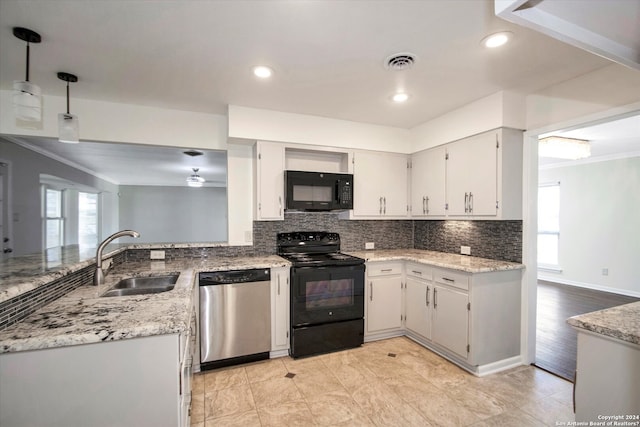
(394, 382)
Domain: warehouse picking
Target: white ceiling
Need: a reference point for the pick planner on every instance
(327, 55)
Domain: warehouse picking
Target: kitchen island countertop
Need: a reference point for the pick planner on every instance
(464, 263)
(621, 322)
(83, 316)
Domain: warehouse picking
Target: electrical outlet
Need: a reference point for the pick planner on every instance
(369, 245)
(605, 271)
(157, 254)
(465, 250)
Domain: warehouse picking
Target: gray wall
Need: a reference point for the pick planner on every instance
(174, 214)
(599, 225)
(26, 167)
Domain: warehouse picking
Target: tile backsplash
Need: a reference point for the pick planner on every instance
(501, 240)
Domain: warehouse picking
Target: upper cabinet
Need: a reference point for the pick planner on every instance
(380, 185)
(428, 183)
(479, 177)
(269, 181)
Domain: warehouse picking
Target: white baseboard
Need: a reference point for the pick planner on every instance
(562, 281)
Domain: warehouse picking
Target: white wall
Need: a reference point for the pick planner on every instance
(174, 214)
(502, 109)
(240, 193)
(114, 122)
(599, 225)
(266, 125)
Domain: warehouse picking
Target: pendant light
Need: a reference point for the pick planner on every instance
(68, 125)
(195, 180)
(27, 103)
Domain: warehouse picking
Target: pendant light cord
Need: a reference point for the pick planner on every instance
(27, 76)
(67, 97)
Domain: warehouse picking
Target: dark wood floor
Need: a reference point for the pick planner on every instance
(556, 341)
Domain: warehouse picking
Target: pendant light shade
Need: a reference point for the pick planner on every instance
(27, 101)
(68, 124)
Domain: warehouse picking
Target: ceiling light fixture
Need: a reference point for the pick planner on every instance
(68, 124)
(262, 71)
(400, 97)
(195, 180)
(564, 148)
(497, 39)
(27, 103)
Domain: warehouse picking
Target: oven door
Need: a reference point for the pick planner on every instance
(326, 294)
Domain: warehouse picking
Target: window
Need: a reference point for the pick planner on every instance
(548, 224)
(87, 219)
(54, 222)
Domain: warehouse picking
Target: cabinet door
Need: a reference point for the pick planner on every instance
(384, 303)
(280, 309)
(451, 319)
(380, 184)
(395, 174)
(472, 175)
(418, 301)
(428, 183)
(270, 181)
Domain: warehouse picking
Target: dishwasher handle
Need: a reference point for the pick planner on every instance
(229, 277)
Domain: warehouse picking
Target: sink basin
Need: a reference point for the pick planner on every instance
(142, 285)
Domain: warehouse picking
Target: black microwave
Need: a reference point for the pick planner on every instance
(318, 191)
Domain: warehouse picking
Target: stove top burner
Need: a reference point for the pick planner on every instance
(314, 248)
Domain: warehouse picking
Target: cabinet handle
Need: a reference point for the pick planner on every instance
(424, 204)
(416, 272)
(466, 202)
(575, 383)
(386, 270)
(380, 201)
(370, 291)
(470, 202)
(278, 284)
(427, 205)
(384, 199)
(435, 297)
(448, 280)
(428, 290)
(280, 203)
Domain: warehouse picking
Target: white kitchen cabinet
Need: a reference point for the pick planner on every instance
(607, 378)
(130, 382)
(484, 175)
(269, 181)
(428, 171)
(418, 300)
(380, 185)
(279, 311)
(451, 319)
(383, 293)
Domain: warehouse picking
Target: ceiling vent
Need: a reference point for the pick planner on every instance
(400, 61)
(193, 153)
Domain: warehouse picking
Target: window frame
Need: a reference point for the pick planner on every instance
(552, 231)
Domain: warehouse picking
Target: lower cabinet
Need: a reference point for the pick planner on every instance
(279, 311)
(472, 319)
(383, 294)
(131, 382)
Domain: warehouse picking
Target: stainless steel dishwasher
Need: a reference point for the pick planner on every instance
(235, 317)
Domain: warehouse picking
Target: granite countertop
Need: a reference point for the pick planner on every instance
(464, 263)
(621, 322)
(83, 317)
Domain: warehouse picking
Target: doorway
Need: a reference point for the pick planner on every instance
(581, 258)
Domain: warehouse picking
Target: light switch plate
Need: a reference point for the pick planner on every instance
(157, 254)
(465, 250)
(370, 245)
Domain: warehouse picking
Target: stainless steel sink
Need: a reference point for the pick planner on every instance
(142, 285)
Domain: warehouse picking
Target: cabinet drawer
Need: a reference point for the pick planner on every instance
(419, 271)
(386, 269)
(451, 278)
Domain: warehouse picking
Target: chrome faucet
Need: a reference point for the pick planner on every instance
(98, 277)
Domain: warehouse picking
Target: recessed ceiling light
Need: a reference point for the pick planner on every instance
(262, 71)
(400, 97)
(497, 39)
